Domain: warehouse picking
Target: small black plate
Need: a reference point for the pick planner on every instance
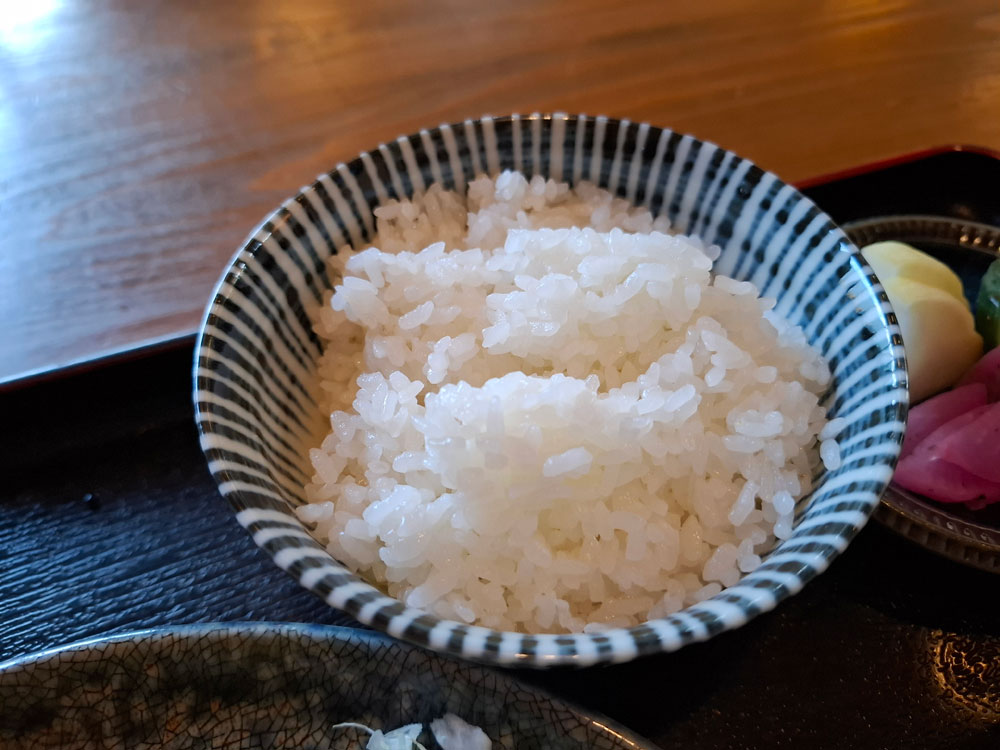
(967, 536)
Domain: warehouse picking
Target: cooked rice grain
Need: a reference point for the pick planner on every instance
(548, 415)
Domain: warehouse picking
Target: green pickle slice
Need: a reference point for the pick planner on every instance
(988, 307)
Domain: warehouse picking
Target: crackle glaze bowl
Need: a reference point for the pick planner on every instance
(255, 359)
(267, 686)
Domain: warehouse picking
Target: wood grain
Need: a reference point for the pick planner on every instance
(141, 142)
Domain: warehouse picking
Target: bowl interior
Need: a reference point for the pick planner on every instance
(255, 379)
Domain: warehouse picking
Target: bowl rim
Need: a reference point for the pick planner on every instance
(693, 623)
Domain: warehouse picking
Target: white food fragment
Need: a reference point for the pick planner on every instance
(417, 316)
(832, 428)
(452, 733)
(403, 738)
(733, 286)
(783, 503)
(573, 462)
(829, 452)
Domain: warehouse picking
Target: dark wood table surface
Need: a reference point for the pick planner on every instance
(141, 141)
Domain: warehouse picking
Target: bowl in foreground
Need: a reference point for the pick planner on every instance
(271, 686)
(255, 373)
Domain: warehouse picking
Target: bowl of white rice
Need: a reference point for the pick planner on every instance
(550, 389)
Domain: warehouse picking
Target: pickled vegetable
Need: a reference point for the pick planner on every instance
(951, 452)
(934, 412)
(988, 307)
(892, 259)
(938, 328)
(987, 372)
(938, 335)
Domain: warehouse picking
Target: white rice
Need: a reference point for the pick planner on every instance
(542, 427)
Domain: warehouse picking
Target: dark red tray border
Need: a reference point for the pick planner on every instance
(893, 161)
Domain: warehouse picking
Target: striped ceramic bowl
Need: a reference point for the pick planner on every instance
(255, 373)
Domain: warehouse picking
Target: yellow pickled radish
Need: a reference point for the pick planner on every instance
(938, 331)
(897, 259)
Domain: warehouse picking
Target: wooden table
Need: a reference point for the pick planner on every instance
(141, 141)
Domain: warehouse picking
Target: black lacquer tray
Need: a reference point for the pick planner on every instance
(110, 522)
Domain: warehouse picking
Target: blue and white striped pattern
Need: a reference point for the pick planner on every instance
(254, 365)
